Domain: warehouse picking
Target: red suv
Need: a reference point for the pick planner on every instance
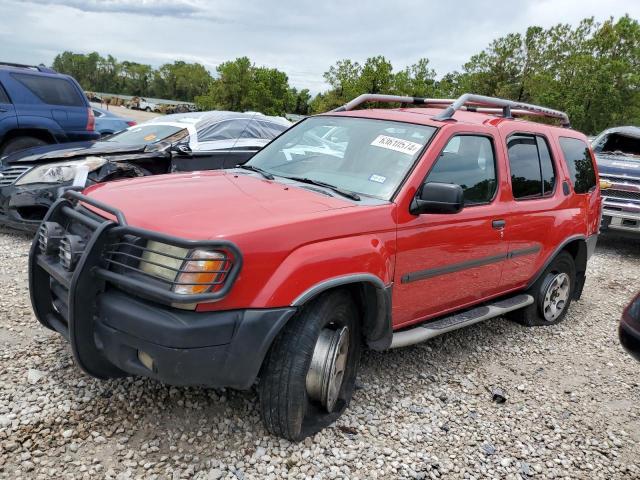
(377, 228)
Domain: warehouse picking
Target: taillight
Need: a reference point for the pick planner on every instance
(91, 120)
(132, 123)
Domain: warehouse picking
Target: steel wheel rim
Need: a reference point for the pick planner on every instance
(556, 296)
(328, 365)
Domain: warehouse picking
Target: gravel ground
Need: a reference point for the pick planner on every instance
(572, 405)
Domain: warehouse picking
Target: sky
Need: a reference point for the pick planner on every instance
(301, 37)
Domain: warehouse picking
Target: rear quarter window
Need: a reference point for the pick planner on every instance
(53, 91)
(579, 162)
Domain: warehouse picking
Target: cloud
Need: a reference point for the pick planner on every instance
(156, 8)
(301, 37)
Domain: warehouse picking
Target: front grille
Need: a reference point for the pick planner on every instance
(11, 174)
(621, 194)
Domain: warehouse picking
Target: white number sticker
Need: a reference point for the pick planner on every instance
(397, 144)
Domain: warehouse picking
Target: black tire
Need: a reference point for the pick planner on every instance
(20, 143)
(148, 109)
(534, 314)
(286, 408)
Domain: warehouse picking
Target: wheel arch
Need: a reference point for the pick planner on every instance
(578, 247)
(39, 133)
(373, 299)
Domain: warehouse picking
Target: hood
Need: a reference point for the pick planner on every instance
(621, 165)
(212, 204)
(64, 151)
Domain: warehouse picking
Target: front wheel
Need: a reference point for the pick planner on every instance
(309, 375)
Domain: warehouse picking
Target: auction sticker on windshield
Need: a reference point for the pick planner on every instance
(397, 144)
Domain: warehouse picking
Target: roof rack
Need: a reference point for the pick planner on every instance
(40, 68)
(468, 101)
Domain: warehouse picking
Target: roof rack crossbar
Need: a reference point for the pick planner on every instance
(40, 68)
(507, 106)
(468, 101)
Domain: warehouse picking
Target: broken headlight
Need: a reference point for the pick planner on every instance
(60, 172)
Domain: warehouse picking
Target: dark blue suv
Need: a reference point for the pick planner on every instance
(39, 106)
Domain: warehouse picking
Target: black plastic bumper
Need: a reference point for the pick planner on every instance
(215, 349)
(23, 207)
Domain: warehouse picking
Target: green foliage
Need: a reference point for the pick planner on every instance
(176, 81)
(241, 86)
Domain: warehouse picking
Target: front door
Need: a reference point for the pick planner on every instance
(445, 261)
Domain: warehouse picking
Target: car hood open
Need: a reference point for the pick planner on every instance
(212, 204)
(66, 151)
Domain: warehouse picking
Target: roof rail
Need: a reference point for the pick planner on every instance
(40, 68)
(468, 101)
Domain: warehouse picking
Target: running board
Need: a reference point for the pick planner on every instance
(434, 328)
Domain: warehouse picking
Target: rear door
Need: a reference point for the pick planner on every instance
(540, 206)
(8, 120)
(447, 261)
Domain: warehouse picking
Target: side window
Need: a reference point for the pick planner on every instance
(54, 91)
(532, 173)
(4, 98)
(468, 161)
(578, 160)
(546, 167)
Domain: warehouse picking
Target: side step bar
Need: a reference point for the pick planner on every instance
(434, 328)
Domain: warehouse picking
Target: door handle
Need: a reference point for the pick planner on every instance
(498, 224)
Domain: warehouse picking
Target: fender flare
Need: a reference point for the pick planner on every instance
(375, 300)
(585, 250)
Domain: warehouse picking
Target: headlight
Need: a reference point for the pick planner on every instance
(189, 273)
(60, 172)
(200, 273)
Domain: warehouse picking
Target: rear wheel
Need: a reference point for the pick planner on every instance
(552, 294)
(309, 375)
(20, 143)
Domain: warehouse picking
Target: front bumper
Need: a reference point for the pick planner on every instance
(24, 207)
(215, 349)
(117, 325)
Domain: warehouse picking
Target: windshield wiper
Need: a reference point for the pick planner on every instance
(338, 190)
(262, 172)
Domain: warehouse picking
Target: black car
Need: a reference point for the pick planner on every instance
(30, 180)
(630, 328)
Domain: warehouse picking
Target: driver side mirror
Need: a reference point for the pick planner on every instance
(436, 197)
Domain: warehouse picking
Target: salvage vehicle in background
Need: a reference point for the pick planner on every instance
(108, 122)
(416, 222)
(139, 103)
(39, 106)
(30, 179)
(630, 328)
(617, 152)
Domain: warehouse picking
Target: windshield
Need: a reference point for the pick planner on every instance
(148, 134)
(361, 155)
